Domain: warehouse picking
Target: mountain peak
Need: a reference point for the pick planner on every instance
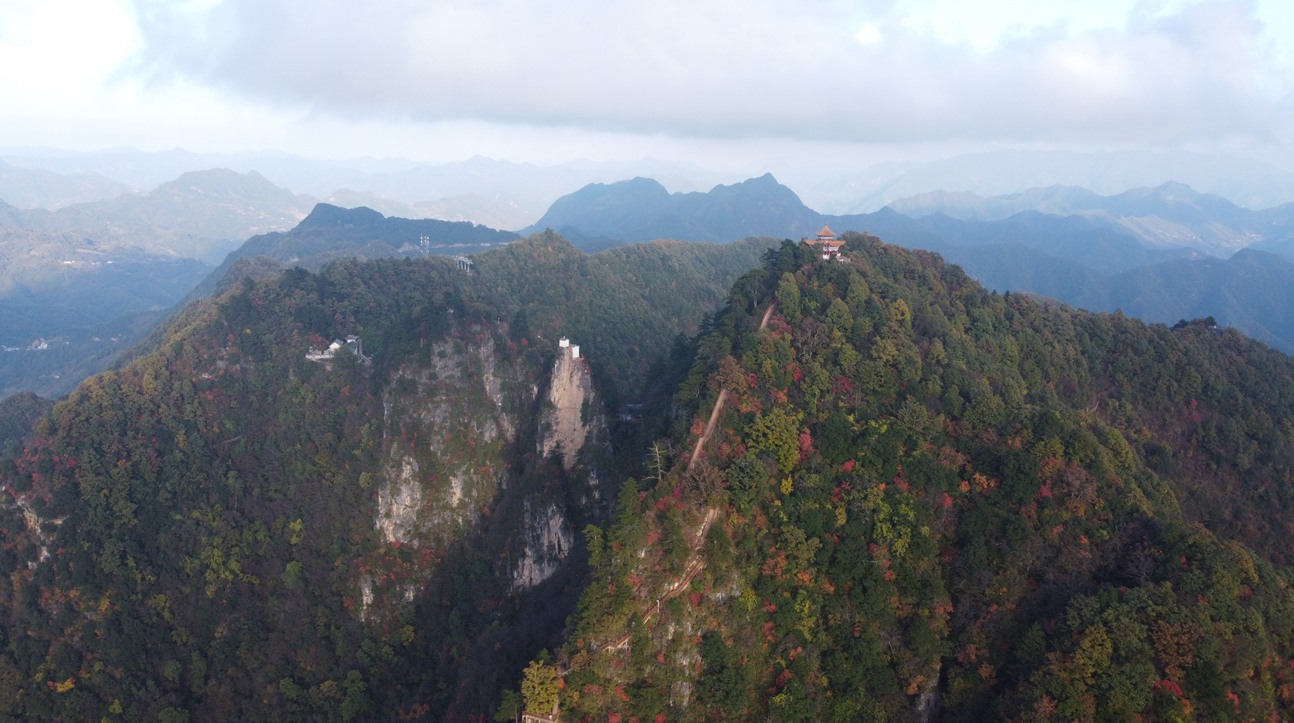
(640, 209)
(326, 214)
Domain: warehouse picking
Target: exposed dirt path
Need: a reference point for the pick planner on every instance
(718, 405)
(695, 564)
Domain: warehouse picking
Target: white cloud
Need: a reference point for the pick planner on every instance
(869, 35)
(449, 78)
(756, 68)
(57, 48)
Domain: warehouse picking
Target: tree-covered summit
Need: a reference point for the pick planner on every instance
(922, 501)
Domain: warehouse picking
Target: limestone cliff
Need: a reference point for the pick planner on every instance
(566, 425)
(448, 425)
(457, 426)
(548, 541)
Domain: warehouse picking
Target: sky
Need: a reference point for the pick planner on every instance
(718, 83)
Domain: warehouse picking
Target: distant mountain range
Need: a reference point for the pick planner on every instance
(86, 269)
(1154, 253)
(461, 187)
(201, 215)
(605, 215)
(39, 188)
(1167, 221)
(832, 187)
(1172, 215)
(1246, 182)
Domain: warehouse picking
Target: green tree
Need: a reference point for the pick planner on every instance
(788, 298)
(778, 433)
(511, 705)
(540, 687)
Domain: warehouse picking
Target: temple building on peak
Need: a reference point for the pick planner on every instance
(828, 241)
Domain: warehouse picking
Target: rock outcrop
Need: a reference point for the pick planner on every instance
(446, 428)
(566, 424)
(548, 542)
(448, 425)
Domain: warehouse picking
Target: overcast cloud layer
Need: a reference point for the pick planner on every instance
(824, 70)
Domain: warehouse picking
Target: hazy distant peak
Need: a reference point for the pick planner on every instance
(765, 186)
(326, 214)
(31, 188)
(346, 198)
(204, 176)
(637, 189)
(1054, 192)
(939, 202)
(1261, 258)
(766, 180)
(248, 190)
(1177, 193)
(603, 215)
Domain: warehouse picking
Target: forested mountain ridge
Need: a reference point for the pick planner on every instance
(894, 496)
(1153, 252)
(917, 501)
(330, 233)
(223, 529)
(1091, 268)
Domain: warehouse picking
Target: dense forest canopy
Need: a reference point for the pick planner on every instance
(923, 501)
(861, 490)
(197, 534)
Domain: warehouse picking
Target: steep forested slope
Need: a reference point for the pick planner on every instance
(895, 496)
(223, 529)
(916, 501)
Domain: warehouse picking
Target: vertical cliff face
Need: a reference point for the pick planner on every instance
(548, 542)
(455, 425)
(399, 500)
(446, 430)
(226, 529)
(566, 424)
(449, 424)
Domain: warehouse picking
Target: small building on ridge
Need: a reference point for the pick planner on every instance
(828, 242)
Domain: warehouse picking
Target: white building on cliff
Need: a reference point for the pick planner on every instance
(565, 343)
